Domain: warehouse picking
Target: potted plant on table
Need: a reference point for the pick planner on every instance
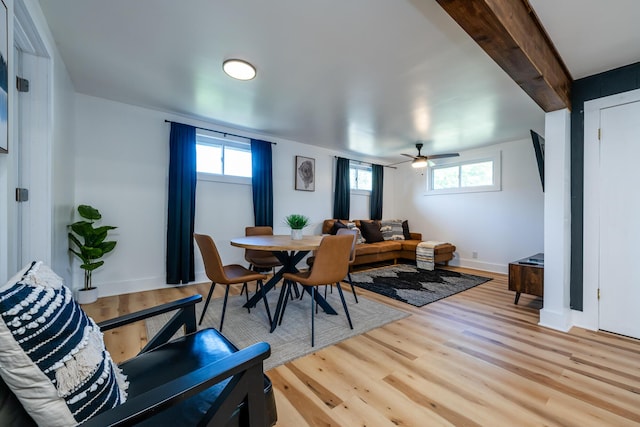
(88, 243)
(296, 222)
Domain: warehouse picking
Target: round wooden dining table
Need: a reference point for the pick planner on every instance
(289, 252)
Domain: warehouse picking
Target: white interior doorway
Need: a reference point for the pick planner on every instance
(31, 121)
(612, 209)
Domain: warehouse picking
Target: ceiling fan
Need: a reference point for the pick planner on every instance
(420, 161)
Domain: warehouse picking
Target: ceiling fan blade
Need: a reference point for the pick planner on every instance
(398, 163)
(443, 156)
(408, 155)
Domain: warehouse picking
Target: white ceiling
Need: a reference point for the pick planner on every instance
(368, 77)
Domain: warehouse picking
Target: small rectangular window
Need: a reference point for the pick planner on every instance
(464, 176)
(360, 176)
(222, 159)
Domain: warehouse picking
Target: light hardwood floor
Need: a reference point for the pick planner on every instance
(471, 359)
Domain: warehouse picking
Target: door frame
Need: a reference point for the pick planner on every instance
(591, 220)
(32, 121)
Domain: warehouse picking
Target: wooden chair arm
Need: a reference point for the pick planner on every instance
(185, 318)
(244, 362)
(149, 312)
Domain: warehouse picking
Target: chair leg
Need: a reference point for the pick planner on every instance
(287, 292)
(245, 289)
(206, 304)
(313, 297)
(344, 304)
(353, 289)
(264, 298)
(224, 306)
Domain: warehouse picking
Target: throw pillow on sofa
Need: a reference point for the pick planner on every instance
(371, 231)
(336, 226)
(359, 238)
(405, 230)
(391, 229)
(52, 355)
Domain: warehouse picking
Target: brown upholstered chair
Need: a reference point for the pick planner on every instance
(331, 265)
(225, 275)
(260, 260)
(352, 258)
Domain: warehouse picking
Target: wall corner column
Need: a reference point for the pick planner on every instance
(556, 312)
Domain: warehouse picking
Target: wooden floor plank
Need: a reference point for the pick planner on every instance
(475, 358)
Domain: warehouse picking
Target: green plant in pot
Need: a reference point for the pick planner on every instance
(296, 222)
(88, 242)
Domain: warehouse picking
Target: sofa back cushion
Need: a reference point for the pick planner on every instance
(392, 229)
(52, 355)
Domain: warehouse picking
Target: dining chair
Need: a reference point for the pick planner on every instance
(352, 258)
(224, 274)
(330, 266)
(260, 261)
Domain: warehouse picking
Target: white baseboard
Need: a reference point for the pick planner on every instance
(480, 265)
(140, 285)
(558, 320)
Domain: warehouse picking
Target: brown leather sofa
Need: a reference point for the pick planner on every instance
(391, 250)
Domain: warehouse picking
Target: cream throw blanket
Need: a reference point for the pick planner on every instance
(425, 256)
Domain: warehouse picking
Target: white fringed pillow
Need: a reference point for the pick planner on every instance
(52, 354)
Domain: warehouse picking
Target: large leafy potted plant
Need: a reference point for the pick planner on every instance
(296, 222)
(88, 243)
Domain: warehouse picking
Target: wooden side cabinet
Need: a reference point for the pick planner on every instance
(527, 276)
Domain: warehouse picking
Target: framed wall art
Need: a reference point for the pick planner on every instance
(4, 80)
(305, 174)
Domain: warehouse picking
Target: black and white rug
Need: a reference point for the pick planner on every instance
(407, 283)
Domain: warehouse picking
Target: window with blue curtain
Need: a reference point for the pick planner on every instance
(182, 204)
(262, 182)
(342, 194)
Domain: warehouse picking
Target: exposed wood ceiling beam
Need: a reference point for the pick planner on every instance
(510, 32)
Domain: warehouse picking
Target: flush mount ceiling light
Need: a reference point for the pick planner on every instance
(239, 69)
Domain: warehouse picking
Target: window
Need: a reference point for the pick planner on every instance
(471, 175)
(222, 159)
(360, 176)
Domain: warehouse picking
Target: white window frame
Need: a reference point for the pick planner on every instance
(495, 157)
(361, 166)
(227, 141)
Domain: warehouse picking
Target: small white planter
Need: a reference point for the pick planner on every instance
(87, 296)
(296, 234)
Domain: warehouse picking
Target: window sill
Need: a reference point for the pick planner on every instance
(227, 179)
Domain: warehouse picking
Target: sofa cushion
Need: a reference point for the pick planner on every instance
(409, 245)
(378, 247)
(371, 231)
(52, 355)
(391, 229)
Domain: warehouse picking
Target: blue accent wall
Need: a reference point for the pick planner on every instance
(612, 82)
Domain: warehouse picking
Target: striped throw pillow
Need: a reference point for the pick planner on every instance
(52, 354)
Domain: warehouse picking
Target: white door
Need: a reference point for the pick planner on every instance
(619, 275)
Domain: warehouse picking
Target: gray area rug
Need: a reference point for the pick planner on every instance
(407, 283)
(292, 339)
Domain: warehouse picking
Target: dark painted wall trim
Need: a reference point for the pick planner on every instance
(612, 82)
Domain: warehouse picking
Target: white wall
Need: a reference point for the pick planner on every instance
(556, 313)
(121, 162)
(501, 226)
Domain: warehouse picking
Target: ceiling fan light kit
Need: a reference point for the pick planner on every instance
(419, 163)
